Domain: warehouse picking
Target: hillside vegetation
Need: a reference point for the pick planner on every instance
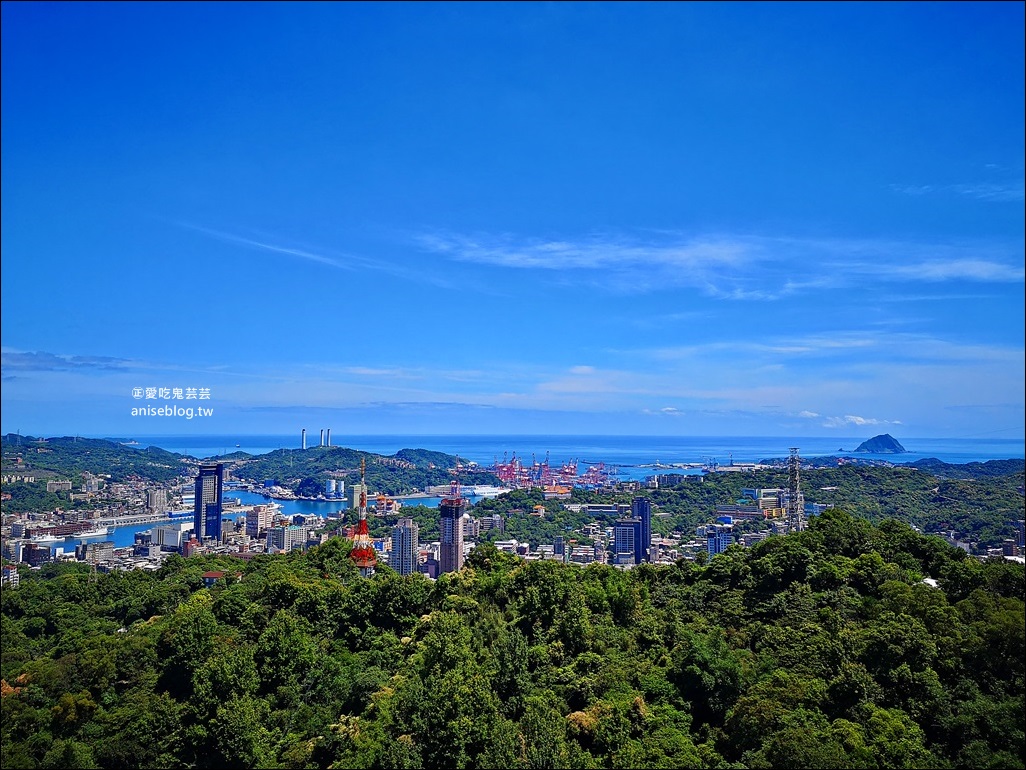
(70, 456)
(409, 470)
(822, 649)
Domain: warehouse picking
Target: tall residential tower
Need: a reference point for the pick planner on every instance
(641, 509)
(405, 547)
(206, 515)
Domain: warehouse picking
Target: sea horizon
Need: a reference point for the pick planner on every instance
(620, 450)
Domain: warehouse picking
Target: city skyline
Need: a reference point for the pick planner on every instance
(640, 219)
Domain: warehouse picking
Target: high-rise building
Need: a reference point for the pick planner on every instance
(718, 537)
(641, 509)
(206, 514)
(405, 547)
(451, 511)
(626, 541)
(286, 537)
(156, 501)
(259, 520)
(558, 545)
(355, 493)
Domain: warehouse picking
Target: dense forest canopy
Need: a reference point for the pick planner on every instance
(824, 648)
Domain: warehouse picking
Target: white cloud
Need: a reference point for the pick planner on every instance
(851, 419)
(853, 346)
(742, 268)
(953, 269)
(984, 191)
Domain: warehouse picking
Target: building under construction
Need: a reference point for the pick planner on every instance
(451, 509)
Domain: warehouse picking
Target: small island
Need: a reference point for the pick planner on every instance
(881, 445)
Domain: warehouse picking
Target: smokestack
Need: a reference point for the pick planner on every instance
(328, 439)
(322, 437)
(304, 438)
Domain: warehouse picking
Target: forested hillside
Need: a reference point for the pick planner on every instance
(69, 456)
(982, 510)
(819, 649)
(409, 470)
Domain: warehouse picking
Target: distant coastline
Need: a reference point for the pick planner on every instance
(630, 454)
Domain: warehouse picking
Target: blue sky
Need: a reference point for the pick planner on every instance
(685, 219)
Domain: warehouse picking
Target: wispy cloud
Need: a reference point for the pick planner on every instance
(389, 372)
(329, 258)
(440, 406)
(933, 297)
(770, 348)
(948, 269)
(852, 419)
(619, 263)
(41, 361)
(349, 264)
(853, 346)
(984, 191)
(735, 267)
(592, 253)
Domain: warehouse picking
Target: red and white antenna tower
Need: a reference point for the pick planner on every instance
(363, 554)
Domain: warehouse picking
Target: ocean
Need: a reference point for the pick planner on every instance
(623, 452)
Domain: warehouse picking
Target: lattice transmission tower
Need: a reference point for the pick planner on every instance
(795, 499)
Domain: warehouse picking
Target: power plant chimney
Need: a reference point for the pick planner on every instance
(322, 437)
(304, 438)
(328, 440)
